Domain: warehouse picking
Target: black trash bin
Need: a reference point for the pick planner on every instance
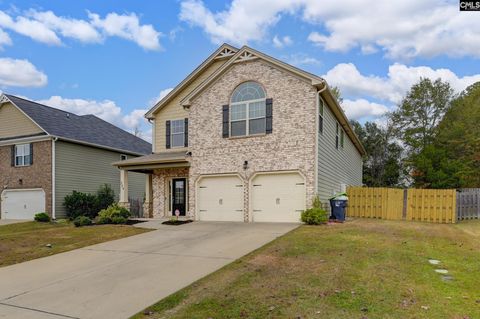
(338, 205)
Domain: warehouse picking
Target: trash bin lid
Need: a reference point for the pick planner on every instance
(340, 196)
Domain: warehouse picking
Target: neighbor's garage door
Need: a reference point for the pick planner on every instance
(220, 198)
(22, 204)
(278, 197)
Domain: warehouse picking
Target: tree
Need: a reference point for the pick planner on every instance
(337, 94)
(382, 164)
(415, 123)
(458, 139)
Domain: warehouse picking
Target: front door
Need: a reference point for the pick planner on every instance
(179, 197)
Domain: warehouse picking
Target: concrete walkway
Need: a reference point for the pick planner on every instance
(119, 278)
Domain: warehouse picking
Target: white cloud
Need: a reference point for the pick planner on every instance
(394, 86)
(244, 21)
(280, 42)
(160, 96)
(47, 27)
(128, 27)
(403, 29)
(4, 38)
(14, 72)
(31, 28)
(360, 91)
(299, 59)
(107, 110)
(72, 28)
(361, 108)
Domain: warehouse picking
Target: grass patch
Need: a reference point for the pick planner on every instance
(360, 269)
(26, 241)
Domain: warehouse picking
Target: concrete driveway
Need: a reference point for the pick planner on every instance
(119, 278)
(12, 221)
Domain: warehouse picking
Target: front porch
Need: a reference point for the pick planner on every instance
(166, 185)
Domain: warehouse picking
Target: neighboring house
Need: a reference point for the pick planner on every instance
(46, 153)
(246, 137)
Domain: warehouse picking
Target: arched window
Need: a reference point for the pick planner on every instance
(247, 111)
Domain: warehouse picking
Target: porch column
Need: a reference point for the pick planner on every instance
(124, 189)
(148, 205)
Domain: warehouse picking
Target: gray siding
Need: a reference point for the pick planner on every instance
(336, 166)
(84, 169)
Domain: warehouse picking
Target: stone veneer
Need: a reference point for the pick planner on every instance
(160, 181)
(37, 175)
(291, 146)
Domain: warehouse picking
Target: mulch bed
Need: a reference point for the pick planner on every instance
(177, 222)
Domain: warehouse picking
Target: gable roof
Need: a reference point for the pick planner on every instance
(247, 54)
(225, 51)
(86, 129)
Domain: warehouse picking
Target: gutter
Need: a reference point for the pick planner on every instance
(54, 139)
(317, 134)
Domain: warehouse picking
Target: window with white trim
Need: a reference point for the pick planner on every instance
(23, 156)
(177, 133)
(247, 110)
(321, 106)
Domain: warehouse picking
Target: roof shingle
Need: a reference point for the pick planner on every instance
(87, 128)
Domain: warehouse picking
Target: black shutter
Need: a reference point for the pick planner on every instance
(13, 155)
(225, 117)
(167, 125)
(31, 153)
(268, 116)
(186, 132)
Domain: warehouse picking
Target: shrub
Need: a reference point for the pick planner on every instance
(105, 197)
(80, 221)
(119, 220)
(42, 217)
(314, 216)
(114, 214)
(80, 204)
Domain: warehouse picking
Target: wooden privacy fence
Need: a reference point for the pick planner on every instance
(385, 203)
(468, 203)
(432, 205)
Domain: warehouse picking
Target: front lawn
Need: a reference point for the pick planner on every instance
(26, 241)
(361, 269)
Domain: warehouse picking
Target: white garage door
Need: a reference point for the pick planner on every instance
(220, 198)
(278, 197)
(22, 204)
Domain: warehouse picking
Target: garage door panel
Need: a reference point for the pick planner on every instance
(220, 198)
(278, 197)
(22, 204)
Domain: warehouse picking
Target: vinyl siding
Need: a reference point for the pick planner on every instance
(14, 123)
(173, 110)
(84, 169)
(336, 166)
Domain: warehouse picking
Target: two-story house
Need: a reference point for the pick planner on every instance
(46, 153)
(246, 137)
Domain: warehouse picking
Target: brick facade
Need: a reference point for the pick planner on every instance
(37, 175)
(291, 146)
(160, 184)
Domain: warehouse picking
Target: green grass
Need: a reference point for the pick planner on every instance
(26, 241)
(361, 269)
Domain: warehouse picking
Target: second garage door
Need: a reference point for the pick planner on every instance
(220, 198)
(22, 204)
(277, 197)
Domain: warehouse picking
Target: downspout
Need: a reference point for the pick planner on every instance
(317, 135)
(53, 176)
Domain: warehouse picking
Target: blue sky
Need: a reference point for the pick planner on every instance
(115, 58)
